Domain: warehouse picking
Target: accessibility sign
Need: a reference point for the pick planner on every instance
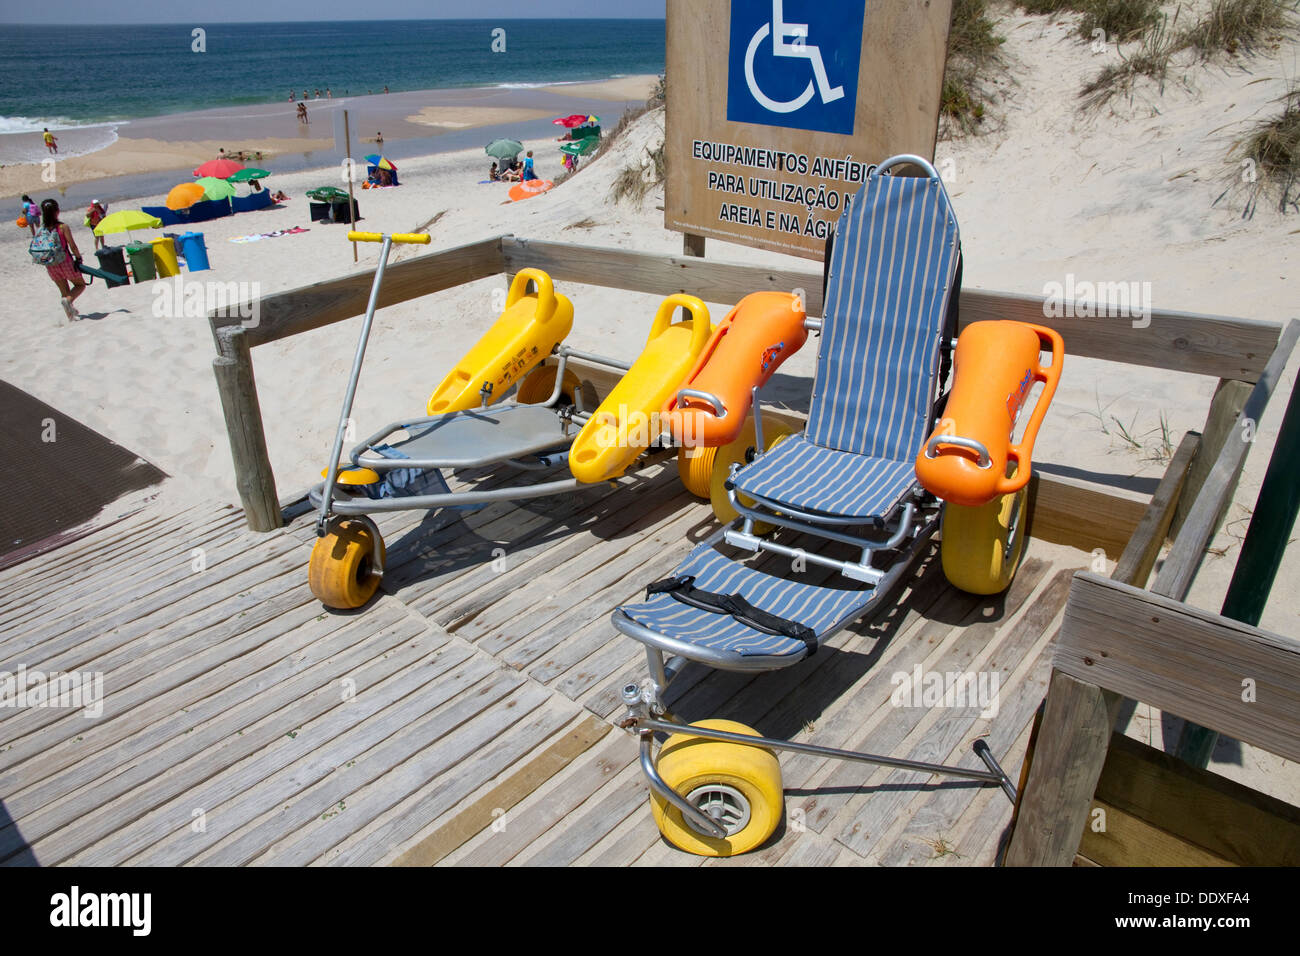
(794, 63)
(777, 110)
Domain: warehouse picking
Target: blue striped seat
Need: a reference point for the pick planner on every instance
(822, 609)
(891, 276)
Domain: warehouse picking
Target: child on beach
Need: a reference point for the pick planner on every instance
(493, 175)
(528, 172)
(94, 213)
(65, 273)
(51, 143)
(31, 212)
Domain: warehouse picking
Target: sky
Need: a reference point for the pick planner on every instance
(242, 11)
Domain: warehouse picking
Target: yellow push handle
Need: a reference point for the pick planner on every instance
(545, 291)
(701, 328)
(419, 238)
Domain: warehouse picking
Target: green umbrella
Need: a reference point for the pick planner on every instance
(504, 148)
(214, 188)
(125, 220)
(326, 193)
(244, 175)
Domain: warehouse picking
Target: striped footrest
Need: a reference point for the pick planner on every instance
(819, 608)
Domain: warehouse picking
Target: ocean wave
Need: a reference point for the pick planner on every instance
(30, 124)
(73, 141)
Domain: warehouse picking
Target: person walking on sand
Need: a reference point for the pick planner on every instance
(302, 113)
(51, 143)
(65, 274)
(94, 215)
(31, 212)
(379, 141)
(528, 172)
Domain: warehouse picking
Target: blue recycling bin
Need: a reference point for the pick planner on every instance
(194, 251)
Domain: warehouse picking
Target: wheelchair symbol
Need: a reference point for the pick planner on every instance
(789, 40)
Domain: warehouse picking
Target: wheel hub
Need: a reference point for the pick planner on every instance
(723, 804)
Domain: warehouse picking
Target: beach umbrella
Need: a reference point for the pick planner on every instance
(219, 168)
(594, 120)
(184, 196)
(504, 148)
(125, 220)
(374, 159)
(244, 175)
(215, 188)
(326, 193)
(568, 122)
(529, 189)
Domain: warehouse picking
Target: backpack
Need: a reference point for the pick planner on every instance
(46, 248)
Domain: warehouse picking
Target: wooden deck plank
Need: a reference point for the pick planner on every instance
(516, 741)
(174, 769)
(314, 784)
(493, 809)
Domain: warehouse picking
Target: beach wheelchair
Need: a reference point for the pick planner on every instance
(501, 406)
(888, 458)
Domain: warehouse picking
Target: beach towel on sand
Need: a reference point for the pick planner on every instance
(269, 235)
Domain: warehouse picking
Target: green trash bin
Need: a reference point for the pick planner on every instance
(140, 255)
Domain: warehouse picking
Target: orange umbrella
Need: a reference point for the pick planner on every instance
(184, 195)
(529, 189)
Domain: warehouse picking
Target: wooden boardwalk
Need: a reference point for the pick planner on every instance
(467, 715)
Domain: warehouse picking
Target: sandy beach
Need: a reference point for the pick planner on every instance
(1124, 194)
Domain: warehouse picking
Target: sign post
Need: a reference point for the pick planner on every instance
(777, 109)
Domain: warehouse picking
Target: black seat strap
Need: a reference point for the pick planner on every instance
(682, 588)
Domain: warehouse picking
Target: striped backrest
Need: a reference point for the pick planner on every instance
(891, 276)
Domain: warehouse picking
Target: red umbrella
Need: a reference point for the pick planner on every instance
(219, 168)
(577, 119)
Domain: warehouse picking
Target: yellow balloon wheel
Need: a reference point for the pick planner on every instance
(736, 785)
(741, 451)
(695, 468)
(342, 568)
(981, 547)
(539, 383)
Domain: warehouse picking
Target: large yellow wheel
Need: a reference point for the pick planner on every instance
(741, 450)
(982, 545)
(540, 382)
(695, 468)
(342, 572)
(738, 786)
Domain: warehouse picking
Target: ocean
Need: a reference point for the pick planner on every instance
(63, 76)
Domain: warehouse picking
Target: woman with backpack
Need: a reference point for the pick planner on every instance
(56, 249)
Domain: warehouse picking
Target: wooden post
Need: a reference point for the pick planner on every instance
(1261, 554)
(1229, 399)
(692, 245)
(1139, 557)
(254, 479)
(1070, 753)
(347, 147)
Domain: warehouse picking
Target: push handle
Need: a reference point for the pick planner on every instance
(545, 290)
(1022, 454)
(701, 328)
(417, 238)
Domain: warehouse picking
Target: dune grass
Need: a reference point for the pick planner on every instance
(1228, 28)
(1118, 19)
(1240, 26)
(973, 57)
(1267, 159)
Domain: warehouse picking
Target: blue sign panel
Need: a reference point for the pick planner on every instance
(794, 63)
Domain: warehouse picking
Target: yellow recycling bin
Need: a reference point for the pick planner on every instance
(164, 257)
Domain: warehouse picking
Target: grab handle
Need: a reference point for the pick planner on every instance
(545, 290)
(417, 238)
(701, 328)
(985, 461)
(708, 398)
(1022, 453)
